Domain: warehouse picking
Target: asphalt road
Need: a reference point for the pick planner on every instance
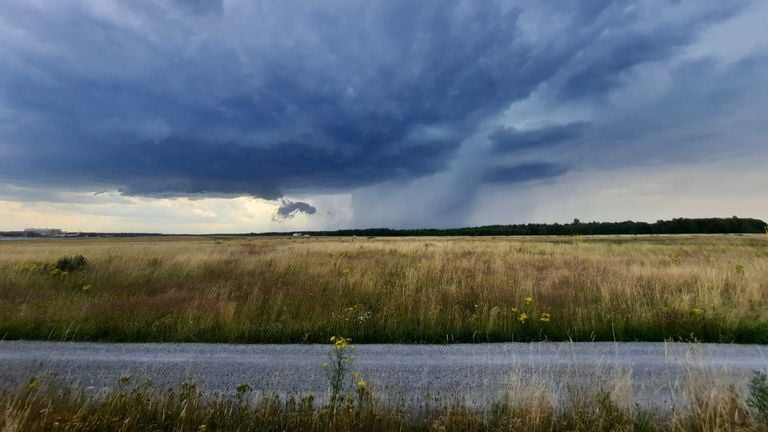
(645, 373)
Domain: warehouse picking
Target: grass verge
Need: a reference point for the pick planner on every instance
(48, 406)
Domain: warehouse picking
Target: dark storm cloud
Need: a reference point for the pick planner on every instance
(510, 139)
(268, 98)
(289, 209)
(524, 172)
(200, 6)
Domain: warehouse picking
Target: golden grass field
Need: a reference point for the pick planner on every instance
(446, 289)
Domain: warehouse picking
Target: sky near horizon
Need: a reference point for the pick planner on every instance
(193, 116)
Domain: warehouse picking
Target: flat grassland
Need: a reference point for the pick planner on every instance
(436, 289)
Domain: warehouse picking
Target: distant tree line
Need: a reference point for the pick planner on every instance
(732, 225)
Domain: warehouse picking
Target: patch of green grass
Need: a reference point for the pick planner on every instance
(758, 397)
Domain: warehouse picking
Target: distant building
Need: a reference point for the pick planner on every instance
(43, 232)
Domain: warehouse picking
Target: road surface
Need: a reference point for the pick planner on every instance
(645, 373)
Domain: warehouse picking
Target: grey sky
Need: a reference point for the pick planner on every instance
(379, 113)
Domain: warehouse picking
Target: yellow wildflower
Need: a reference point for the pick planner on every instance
(523, 317)
(33, 384)
(697, 311)
(528, 300)
(340, 343)
(545, 317)
(361, 384)
(345, 272)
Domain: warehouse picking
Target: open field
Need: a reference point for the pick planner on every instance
(704, 288)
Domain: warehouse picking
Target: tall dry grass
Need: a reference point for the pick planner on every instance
(707, 288)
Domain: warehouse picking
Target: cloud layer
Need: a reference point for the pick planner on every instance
(289, 209)
(413, 108)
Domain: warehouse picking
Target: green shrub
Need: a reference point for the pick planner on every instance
(758, 396)
(71, 263)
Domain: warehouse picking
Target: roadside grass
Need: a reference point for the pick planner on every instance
(412, 290)
(52, 405)
(531, 403)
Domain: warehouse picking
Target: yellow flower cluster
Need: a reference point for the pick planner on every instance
(33, 384)
(530, 312)
(340, 343)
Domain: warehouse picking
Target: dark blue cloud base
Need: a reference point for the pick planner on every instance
(289, 209)
(273, 98)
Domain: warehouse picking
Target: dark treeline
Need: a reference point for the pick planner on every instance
(732, 225)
